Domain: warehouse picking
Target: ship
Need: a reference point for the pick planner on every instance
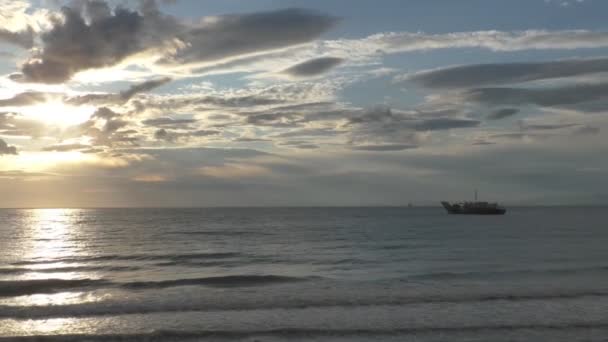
(474, 208)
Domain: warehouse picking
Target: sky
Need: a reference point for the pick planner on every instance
(196, 103)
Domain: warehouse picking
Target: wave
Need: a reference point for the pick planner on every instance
(164, 335)
(13, 288)
(220, 233)
(20, 270)
(134, 257)
(39, 286)
(110, 308)
(220, 281)
(454, 275)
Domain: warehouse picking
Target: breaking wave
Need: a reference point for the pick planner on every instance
(168, 335)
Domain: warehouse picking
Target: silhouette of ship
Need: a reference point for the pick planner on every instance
(474, 208)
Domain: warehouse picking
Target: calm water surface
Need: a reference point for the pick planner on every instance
(305, 274)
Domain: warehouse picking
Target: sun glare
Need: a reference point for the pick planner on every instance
(58, 113)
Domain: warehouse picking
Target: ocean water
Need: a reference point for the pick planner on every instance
(303, 274)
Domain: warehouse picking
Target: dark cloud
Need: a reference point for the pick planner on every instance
(168, 122)
(444, 123)
(173, 103)
(414, 121)
(105, 113)
(313, 67)
(114, 125)
(502, 113)
(487, 74)
(511, 135)
(75, 44)
(24, 99)
(6, 149)
(308, 132)
(219, 117)
(384, 147)
(236, 35)
(66, 147)
(16, 125)
(376, 114)
(383, 128)
(545, 97)
(120, 98)
(587, 130)
(104, 127)
(161, 134)
(204, 133)
(545, 127)
(24, 39)
(143, 87)
(483, 142)
(299, 144)
(172, 136)
(247, 139)
(273, 119)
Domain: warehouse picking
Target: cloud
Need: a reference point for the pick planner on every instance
(24, 99)
(444, 123)
(399, 42)
(384, 147)
(524, 126)
(273, 119)
(545, 97)
(502, 113)
(24, 39)
(143, 87)
(587, 130)
(20, 174)
(234, 171)
(6, 149)
(120, 98)
(564, 3)
(107, 38)
(104, 129)
(226, 101)
(173, 136)
(249, 139)
(477, 75)
(299, 144)
(66, 147)
(16, 125)
(376, 114)
(308, 132)
(105, 113)
(415, 121)
(167, 121)
(236, 35)
(313, 67)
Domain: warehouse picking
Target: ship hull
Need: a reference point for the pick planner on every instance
(477, 212)
(459, 210)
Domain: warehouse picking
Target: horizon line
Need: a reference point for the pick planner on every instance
(404, 206)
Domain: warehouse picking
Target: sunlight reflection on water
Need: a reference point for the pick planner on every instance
(52, 234)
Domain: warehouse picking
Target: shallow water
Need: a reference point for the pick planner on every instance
(321, 274)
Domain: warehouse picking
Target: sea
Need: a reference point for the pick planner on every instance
(303, 274)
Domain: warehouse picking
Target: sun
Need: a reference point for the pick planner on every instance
(58, 113)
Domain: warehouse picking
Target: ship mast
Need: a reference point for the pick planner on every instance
(475, 195)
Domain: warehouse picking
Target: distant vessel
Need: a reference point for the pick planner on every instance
(474, 208)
